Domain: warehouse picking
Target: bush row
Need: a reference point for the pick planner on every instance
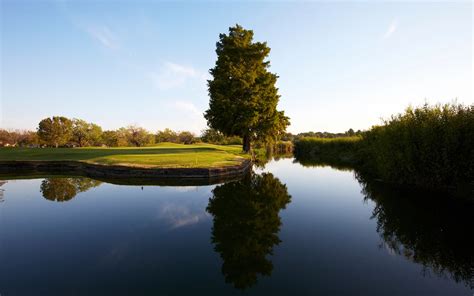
(336, 151)
(428, 146)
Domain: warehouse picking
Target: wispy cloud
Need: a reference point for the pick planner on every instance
(173, 75)
(188, 107)
(104, 36)
(97, 31)
(181, 215)
(391, 29)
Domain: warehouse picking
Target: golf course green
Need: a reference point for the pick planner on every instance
(163, 155)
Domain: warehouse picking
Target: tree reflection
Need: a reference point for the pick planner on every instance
(246, 226)
(2, 182)
(435, 231)
(64, 189)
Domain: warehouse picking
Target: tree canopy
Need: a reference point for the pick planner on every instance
(85, 133)
(55, 131)
(243, 95)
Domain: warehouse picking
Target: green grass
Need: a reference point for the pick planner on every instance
(163, 155)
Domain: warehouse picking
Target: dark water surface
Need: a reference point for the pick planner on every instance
(285, 230)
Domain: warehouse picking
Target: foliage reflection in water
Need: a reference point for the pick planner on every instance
(245, 214)
(246, 223)
(428, 228)
(433, 229)
(245, 227)
(64, 189)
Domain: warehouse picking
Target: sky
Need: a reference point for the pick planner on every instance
(341, 65)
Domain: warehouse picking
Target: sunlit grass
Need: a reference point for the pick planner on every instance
(160, 155)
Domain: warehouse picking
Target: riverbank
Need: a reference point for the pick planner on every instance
(429, 147)
(167, 160)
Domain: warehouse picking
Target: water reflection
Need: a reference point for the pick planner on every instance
(2, 182)
(246, 226)
(159, 238)
(263, 158)
(318, 163)
(64, 189)
(427, 228)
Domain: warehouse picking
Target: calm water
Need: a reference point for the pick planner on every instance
(285, 230)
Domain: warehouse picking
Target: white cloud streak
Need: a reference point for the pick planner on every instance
(391, 29)
(173, 75)
(104, 36)
(178, 215)
(188, 107)
(194, 122)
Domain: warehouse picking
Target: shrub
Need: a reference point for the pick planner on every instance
(213, 136)
(430, 146)
(341, 151)
(427, 146)
(186, 137)
(167, 135)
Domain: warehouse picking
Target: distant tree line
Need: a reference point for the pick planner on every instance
(59, 131)
(21, 138)
(295, 137)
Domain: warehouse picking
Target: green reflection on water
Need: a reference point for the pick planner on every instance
(246, 226)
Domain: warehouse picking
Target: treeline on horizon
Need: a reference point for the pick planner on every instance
(59, 131)
(427, 146)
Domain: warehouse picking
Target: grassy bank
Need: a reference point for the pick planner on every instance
(164, 155)
(429, 146)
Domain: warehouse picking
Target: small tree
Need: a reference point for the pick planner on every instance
(110, 138)
(243, 96)
(167, 135)
(55, 131)
(95, 134)
(9, 137)
(186, 137)
(138, 136)
(28, 138)
(79, 132)
(4, 137)
(213, 136)
(122, 137)
(350, 132)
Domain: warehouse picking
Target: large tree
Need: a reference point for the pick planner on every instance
(243, 96)
(85, 133)
(55, 131)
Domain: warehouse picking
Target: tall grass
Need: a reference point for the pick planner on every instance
(337, 151)
(427, 146)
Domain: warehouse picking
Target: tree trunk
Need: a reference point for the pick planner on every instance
(246, 144)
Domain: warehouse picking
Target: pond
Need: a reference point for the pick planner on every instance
(285, 229)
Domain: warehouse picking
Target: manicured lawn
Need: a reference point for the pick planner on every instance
(161, 155)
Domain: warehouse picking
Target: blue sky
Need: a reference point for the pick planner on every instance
(341, 65)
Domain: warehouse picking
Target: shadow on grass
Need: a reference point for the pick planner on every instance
(89, 153)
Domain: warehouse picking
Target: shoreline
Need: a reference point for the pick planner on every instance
(122, 172)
